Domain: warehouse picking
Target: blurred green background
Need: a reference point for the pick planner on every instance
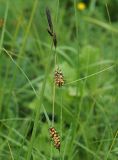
(85, 108)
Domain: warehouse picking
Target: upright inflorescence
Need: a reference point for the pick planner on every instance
(59, 78)
(55, 137)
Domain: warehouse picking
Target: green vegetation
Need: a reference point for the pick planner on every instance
(84, 110)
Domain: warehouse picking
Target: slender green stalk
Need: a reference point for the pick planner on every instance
(53, 98)
(10, 151)
(61, 122)
(55, 63)
(112, 144)
(91, 75)
(54, 89)
(46, 115)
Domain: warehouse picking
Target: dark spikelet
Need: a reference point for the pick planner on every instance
(55, 40)
(49, 19)
(50, 33)
(50, 29)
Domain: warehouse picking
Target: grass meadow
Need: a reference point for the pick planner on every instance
(84, 110)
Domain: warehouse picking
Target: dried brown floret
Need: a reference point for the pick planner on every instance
(59, 78)
(55, 137)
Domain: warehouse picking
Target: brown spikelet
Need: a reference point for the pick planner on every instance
(55, 137)
(59, 78)
(50, 29)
